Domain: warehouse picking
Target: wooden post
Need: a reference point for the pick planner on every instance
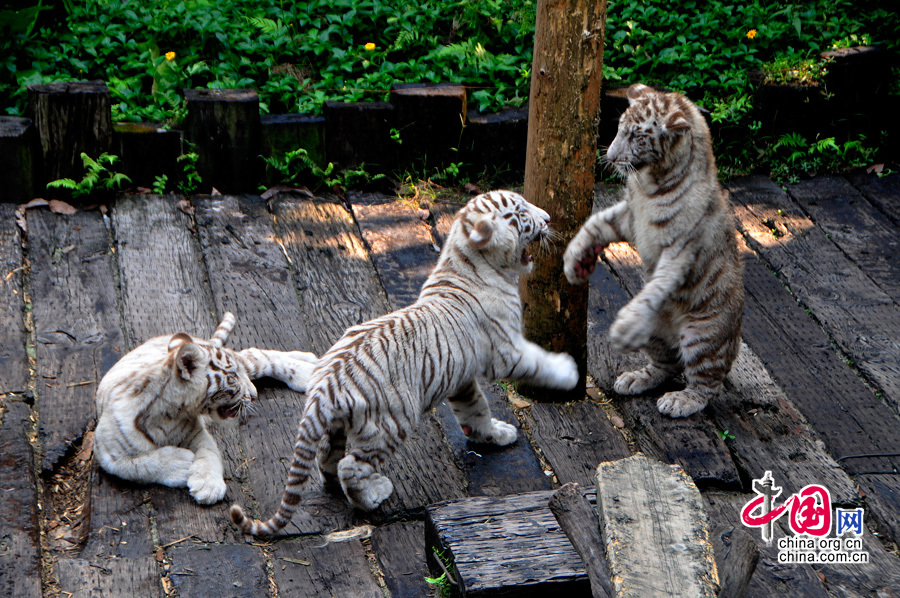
(225, 127)
(17, 168)
(580, 522)
(564, 110)
(430, 120)
(736, 558)
(360, 132)
(70, 118)
(655, 529)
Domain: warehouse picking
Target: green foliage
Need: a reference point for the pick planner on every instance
(191, 179)
(297, 168)
(793, 155)
(159, 184)
(442, 581)
(97, 175)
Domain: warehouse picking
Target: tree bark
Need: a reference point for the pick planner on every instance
(564, 112)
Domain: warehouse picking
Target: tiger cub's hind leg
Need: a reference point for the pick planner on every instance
(665, 363)
(328, 456)
(474, 416)
(364, 487)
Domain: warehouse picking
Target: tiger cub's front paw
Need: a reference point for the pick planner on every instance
(579, 261)
(632, 329)
(206, 487)
(299, 369)
(560, 371)
(499, 433)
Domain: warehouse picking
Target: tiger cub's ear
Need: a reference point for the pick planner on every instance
(636, 91)
(677, 123)
(189, 357)
(482, 233)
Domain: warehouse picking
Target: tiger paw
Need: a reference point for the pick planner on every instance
(579, 261)
(632, 329)
(642, 380)
(298, 374)
(371, 492)
(177, 462)
(560, 371)
(206, 487)
(499, 433)
(681, 403)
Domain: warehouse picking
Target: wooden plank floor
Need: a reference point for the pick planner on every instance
(817, 385)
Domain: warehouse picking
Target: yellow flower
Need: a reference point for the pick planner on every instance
(170, 55)
(751, 34)
(370, 46)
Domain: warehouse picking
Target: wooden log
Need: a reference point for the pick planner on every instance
(13, 358)
(20, 556)
(400, 550)
(736, 559)
(430, 120)
(224, 125)
(318, 566)
(574, 437)
(860, 317)
(18, 150)
(76, 323)
(70, 118)
(119, 578)
(579, 520)
(147, 151)
(559, 167)
(881, 191)
(655, 530)
(495, 142)
(360, 133)
(283, 133)
(509, 546)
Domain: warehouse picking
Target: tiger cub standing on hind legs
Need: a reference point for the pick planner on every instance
(370, 389)
(153, 406)
(688, 315)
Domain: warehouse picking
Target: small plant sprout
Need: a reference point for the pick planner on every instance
(726, 435)
(97, 175)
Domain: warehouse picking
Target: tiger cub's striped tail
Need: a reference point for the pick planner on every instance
(220, 336)
(313, 426)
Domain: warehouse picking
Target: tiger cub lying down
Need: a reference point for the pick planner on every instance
(369, 390)
(153, 407)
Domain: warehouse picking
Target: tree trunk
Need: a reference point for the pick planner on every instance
(564, 112)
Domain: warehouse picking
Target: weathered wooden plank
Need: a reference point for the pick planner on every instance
(574, 438)
(337, 283)
(236, 571)
(770, 578)
(316, 566)
(250, 276)
(400, 550)
(113, 579)
(401, 244)
(492, 470)
(883, 192)
(655, 528)
(860, 317)
(864, 234)
(506, 546)
(76, 322)
(165, 291)
(13, 359)
(766, 432)
(443, 214)
(581, 524)
(20, 551)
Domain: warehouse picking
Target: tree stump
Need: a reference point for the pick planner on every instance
(495, 143)
(430, 120)
(564, 109)
(360, 132)
(70, 118)
(224, 126)
(18, 138)
(147, 151)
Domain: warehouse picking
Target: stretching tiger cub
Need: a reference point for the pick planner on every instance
(688, 315)
(369, 390)
(153, 406)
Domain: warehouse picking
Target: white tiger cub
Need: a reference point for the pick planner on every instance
(688, 315)
(370, 389)
(153, 406)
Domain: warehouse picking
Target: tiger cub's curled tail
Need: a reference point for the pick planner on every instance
(369, 390)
